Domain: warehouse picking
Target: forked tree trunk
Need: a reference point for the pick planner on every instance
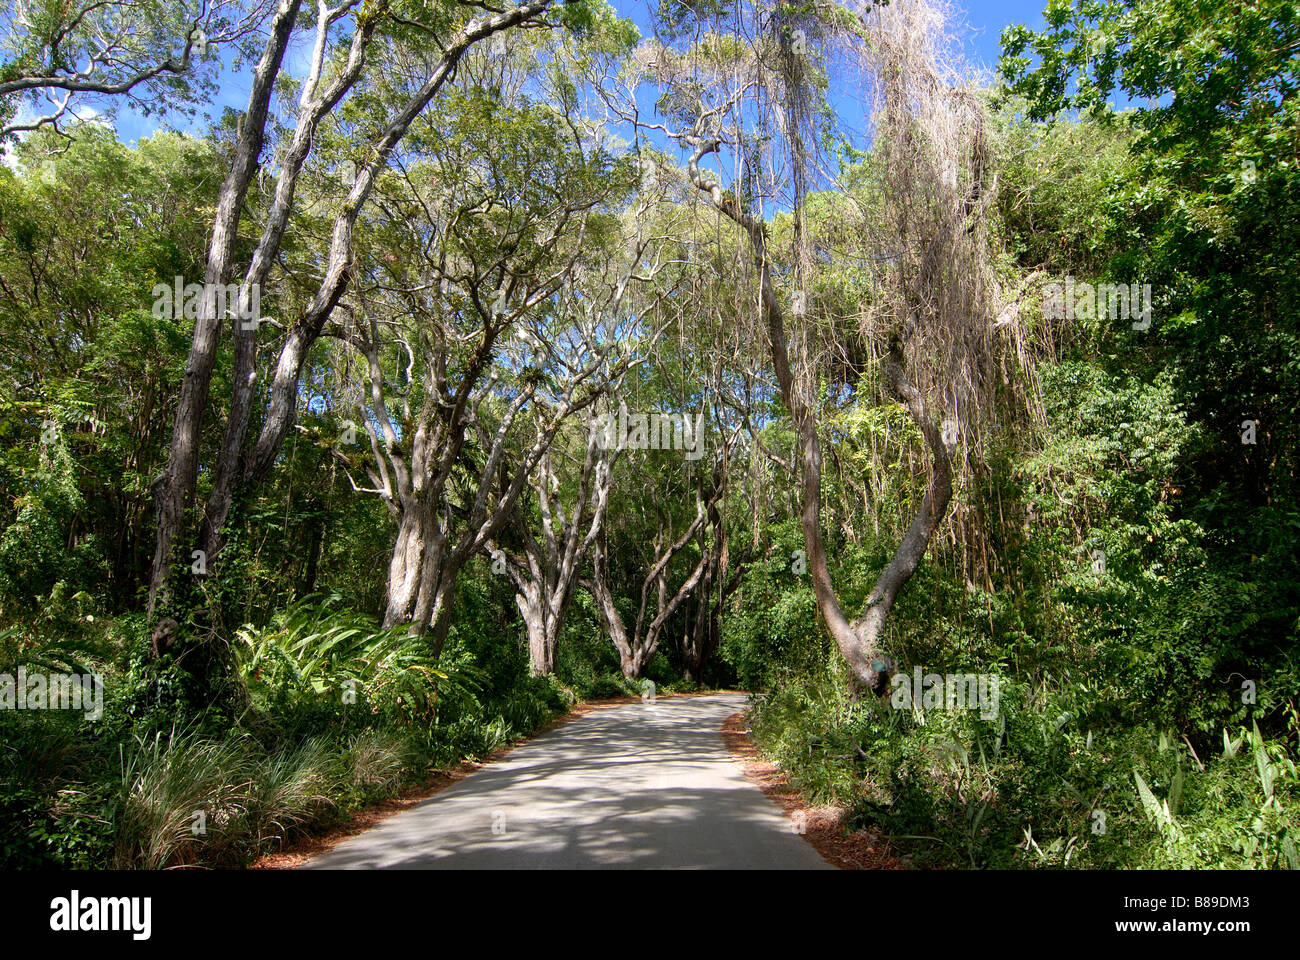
(178, 482)
(543, 638)
(701, 632)
(546, 575)
(638, 646)
(314, 105)
(858, 642)
(176, 486)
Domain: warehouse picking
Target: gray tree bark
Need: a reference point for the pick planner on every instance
(637, 646)
(176, 488)
(177, 485)
(859, 642)
(546, 575)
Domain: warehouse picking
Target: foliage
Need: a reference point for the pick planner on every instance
(312, 648)
(1120, 552)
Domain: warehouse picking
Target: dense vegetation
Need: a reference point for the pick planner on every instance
(361, 517)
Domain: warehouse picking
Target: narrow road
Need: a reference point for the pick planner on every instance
(644, 785)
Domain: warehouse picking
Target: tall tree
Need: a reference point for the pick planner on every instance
(506, 323)
(243, 464)
(930, 326)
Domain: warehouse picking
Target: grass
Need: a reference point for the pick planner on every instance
(1038, 788)
(334, 714)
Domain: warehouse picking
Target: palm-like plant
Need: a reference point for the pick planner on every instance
(316, 646)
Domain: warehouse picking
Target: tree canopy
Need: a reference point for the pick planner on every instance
(497, 357)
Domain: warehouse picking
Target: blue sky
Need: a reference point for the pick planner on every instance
(980, 37)
(985, 20)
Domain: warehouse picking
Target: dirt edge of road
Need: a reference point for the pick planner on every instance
(822, 826)
(305, 847)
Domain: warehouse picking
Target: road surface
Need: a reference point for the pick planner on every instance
(644, 785)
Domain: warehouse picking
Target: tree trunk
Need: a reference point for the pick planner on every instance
(226, 474)
(859, 642)
(541, 638)
(181, 474)
(638, 647)
(180, 477)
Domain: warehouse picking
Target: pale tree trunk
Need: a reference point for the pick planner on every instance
(175, 489)
(433, 541)
(699, 634)
(543, 638)
(546, 575)
(445, 553)
(432, 546)
(178, 482)
(314, 105)
(858, 642)
(636, 647)
(282, 405)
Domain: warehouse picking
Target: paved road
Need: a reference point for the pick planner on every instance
(646, 785)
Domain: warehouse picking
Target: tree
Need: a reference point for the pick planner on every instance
(242, 465)
(507, 322)
(545, 572)
(673, 482)
(933, 298)
(638, 643)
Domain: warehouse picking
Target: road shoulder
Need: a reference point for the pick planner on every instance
(823, 827)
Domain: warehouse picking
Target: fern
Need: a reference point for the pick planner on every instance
(315, 647)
